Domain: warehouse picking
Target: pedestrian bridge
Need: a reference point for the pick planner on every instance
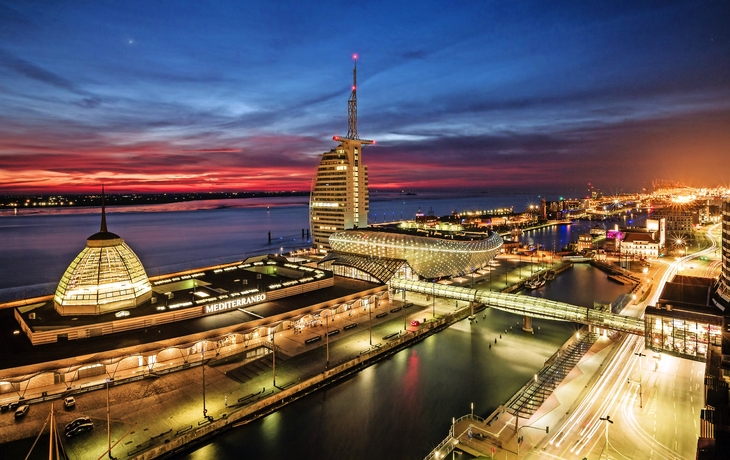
(526, 305)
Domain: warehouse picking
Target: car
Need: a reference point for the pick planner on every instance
(21, 411)
(79, 421)
(80, 429)
(69, 402)
(415, 323)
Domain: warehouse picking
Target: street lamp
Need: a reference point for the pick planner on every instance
(531, 255)
(519, 438)
(108, 423)
(608, 420)
(640, 355)
(327, 337)
(273, 355)
(370, 320)
(202, 366)
(433, 300)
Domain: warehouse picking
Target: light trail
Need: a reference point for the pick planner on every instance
(589, 411)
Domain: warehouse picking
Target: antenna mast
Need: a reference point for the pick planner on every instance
(352, 113)
(352, 104)
(103, 211)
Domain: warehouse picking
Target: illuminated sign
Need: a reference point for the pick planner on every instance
(222, 306)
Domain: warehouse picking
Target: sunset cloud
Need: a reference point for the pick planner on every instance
(159, 97)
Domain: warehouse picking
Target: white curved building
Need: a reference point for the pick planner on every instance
(106, 276)
(428, 256)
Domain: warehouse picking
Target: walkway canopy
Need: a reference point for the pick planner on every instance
(534, 307)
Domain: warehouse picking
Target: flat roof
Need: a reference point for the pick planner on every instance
(192, 289)
(687, 297)
(460, 235)
(20, 352)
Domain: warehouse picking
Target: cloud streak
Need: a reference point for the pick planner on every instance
(468, 96)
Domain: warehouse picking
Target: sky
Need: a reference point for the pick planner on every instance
(482, 96)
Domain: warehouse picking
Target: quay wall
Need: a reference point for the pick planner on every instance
(170, 443)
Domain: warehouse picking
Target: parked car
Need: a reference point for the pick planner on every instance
(69, 402)
(21, 411)
(80, 429)
(415, 323)
(79, 421)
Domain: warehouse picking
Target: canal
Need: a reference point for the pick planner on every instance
(402, 407)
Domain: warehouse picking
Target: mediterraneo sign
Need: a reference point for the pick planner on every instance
(242, 302)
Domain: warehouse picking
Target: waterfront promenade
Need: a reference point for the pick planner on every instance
(150, 411)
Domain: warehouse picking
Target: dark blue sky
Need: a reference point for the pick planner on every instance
(243, 95)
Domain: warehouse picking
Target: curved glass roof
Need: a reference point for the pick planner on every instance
(105, 277)
(534, 307)
(430, 257)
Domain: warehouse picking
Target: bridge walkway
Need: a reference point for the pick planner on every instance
(525, 305)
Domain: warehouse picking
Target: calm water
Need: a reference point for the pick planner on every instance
(401, 407)
(38, 246)
(398, 409)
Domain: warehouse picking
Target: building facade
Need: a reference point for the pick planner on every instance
(724, 285)
(641, 245)
(429, 256)
(339, 199)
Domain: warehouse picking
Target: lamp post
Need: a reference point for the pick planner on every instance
(640, 355)
(405, 318)
(608, 420)
(531, 256)
(273, 355)
(433, 300)
(370, 321)
(519, 438)
(327, 337)
(108, 423)
(202, 366)
(490, 278)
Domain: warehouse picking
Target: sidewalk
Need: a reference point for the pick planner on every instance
(497, 436)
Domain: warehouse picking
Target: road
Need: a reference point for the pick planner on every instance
(642, 405)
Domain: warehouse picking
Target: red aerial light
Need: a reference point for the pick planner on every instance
(373, 142)
(354, 56)
(336, 138)
(353, 87)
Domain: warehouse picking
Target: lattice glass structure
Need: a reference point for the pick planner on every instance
(106, 276)
(428, 256)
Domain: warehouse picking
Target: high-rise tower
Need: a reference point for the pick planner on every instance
(339, 197)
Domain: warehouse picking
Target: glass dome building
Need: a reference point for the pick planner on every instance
(106, 276)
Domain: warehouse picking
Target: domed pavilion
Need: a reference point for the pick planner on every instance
(106, 276)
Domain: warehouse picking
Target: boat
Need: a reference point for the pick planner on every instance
(536, 283)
